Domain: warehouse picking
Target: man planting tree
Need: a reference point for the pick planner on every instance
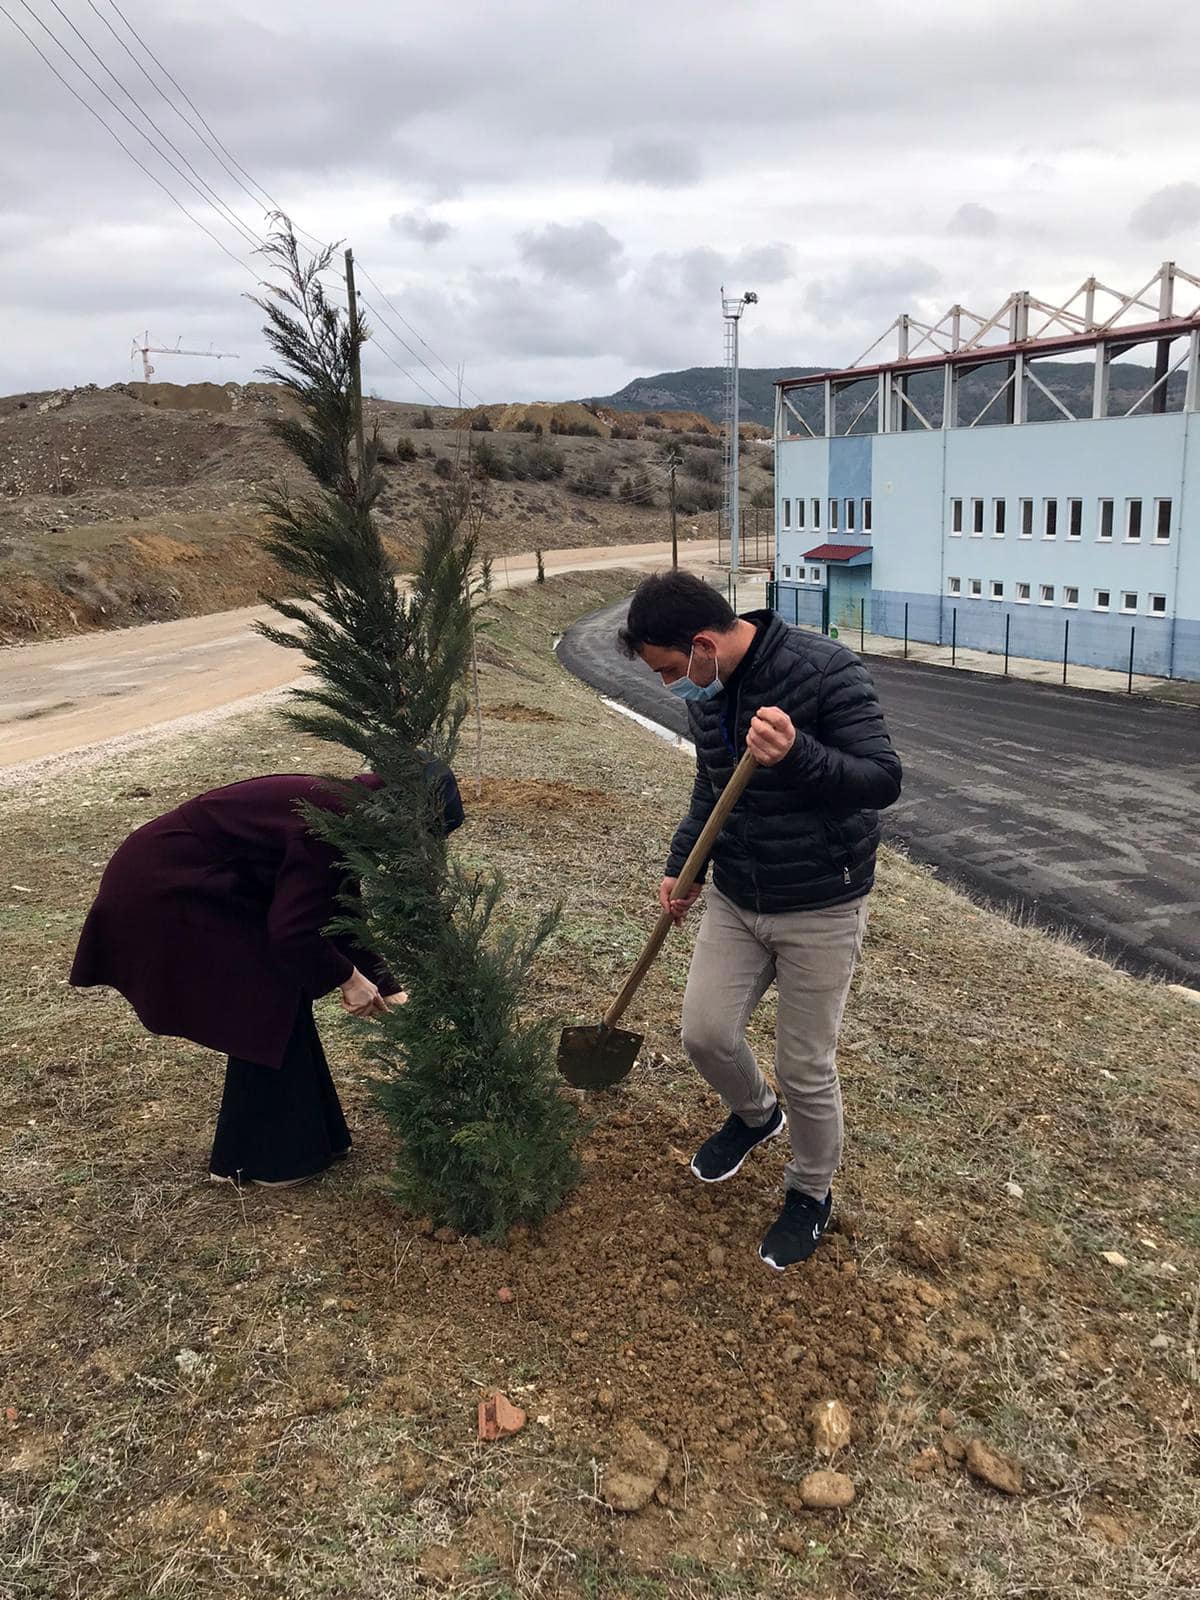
(791, 872)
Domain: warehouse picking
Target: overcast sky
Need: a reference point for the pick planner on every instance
(553, 193)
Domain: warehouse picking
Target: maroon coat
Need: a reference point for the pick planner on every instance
(208, 920)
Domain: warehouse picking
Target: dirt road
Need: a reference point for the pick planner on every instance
(72, 693)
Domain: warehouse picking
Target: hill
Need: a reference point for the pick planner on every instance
(139, 503)
(702, 389)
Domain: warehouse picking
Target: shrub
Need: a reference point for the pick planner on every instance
(703, 465)
(594, 480)
(443, 468)
(406, 450)
(540, 461)
(425, 420)
(701, 496)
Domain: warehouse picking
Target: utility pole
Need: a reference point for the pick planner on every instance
(356, 374)
(673, 465)
(731, 309)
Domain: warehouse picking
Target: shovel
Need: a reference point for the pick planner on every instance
(596, 1058)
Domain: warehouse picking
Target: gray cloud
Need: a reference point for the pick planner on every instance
(867, 288)
(973, 221)
(582, 253)
(419, 225)
(662, 163)
(830, 204)
(1167, 211)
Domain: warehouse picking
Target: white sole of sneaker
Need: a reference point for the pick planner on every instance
(774, 1265)
(733, 1171)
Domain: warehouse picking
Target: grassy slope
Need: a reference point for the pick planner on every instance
(274, 1395)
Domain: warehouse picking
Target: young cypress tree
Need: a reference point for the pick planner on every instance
(485, 1138)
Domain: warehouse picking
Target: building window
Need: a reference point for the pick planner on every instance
(956, 516)
(1070, 595)
(976, 518)
(1023, 593)
(1158, 605)
(999, 518)
(1162, 521)
(787, 572)
(833, 522)
(1133, 520)
(953, 585)
(1046, 595)
(787, 513)
(997, 589)
(867, 521)
(1074, 519)
(1027, 519)
(1106, 520)
(816, 574)
(1103, 600)
(800, 504)
(816, 513)
(850, 517)
(1128, 601)
(976, 588)
(1050, 519)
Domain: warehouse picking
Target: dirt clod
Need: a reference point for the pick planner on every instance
(831, 1427)
(998, 1471)
(925, 1461)
(827, 1491)
(635, 1471)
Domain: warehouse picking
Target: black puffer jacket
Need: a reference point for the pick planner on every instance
(805, 832)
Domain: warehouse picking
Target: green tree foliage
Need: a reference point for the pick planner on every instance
(485, 1139)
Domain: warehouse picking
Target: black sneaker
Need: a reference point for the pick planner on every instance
(796, 1231)
(721, 1156)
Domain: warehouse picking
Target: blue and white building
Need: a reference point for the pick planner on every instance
(953, 492)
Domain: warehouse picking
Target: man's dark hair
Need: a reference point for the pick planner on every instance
(669, 609)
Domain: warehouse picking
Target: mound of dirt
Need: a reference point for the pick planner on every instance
(512, 711)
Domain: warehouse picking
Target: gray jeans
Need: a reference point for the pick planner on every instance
(810, 956)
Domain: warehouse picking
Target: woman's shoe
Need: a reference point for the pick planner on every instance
(283, 1183)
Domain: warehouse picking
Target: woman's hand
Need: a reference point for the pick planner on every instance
(391, 1001)
(361, 998)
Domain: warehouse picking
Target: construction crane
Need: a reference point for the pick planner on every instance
(146, 350)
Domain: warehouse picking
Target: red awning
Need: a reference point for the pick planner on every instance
(839, 552)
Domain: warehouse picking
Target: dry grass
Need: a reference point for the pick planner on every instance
(272, 1395)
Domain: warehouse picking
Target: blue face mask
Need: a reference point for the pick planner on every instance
(684, 689)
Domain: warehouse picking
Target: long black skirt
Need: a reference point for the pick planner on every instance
(277, 1123)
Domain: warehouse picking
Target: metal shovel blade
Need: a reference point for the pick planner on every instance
(598, 1057)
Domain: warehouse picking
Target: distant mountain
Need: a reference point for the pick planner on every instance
(702, 389)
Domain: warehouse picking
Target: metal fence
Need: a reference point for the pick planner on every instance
(1010, 634)
(756, 537)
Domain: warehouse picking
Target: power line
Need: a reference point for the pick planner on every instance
(213, 150)
(385, 352)
(251, 239)
(271, 201)
(227, 211)
(400, 340)
(417, 336)
(86, 104)
(216, 202)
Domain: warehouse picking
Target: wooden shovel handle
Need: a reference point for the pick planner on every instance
(691, 870)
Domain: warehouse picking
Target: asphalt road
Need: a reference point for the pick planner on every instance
(1080, 809)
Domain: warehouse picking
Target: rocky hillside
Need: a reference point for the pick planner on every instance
(702, 389)
(141, 502)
